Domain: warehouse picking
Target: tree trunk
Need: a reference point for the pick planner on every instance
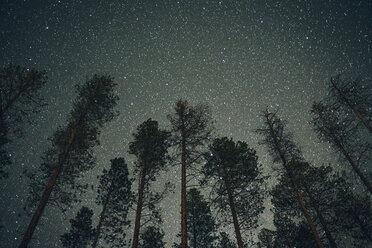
(355, 110)
(46, 194)
(137, 224)
(101, 218)
(330, 238)
(347, 156)
(233, 210)
(183, 187)
(194, 228)
(294, 185)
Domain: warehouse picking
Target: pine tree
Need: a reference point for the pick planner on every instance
(283, 150)
(72, 149)
(355, 95)
(19, 100)
(329, 128)
(152, 237)
(353, 212)
(200, 223)
(150, 146)
(115, 196)
(81, 231)
(191, 129)
(234, 171)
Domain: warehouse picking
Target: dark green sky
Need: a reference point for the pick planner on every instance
(236, 56)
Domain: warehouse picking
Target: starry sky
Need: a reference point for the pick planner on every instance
(236, 56)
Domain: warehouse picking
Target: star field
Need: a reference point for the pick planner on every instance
(236, 56)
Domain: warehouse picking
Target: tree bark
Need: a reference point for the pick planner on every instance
(101, 218)
(347, 156)
(183, 185)
(137, 224)
(232, 207)
(294, 185)
(355, 110)
(46, 194)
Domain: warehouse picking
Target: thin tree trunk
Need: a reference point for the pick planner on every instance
(330, 238)
(347, 156)
(45, 197)
(183, 187)
(137, 224)
(355, 110)
(101, 218)
(295, 187)
(233, 210)
(12, 100)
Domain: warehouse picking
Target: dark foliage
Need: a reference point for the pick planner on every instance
(81, 231)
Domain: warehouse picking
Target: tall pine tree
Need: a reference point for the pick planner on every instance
(283, 150)
(191, 129)
(150, 146)
(72, 149)
(233, 170)
(115, 197)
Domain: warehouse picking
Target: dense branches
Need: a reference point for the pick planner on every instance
(191, 129)
(19, 100)
(150, 146)
(235, 170)
(71, 152)
(115, 197)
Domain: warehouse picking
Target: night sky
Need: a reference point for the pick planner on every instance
(236, 56)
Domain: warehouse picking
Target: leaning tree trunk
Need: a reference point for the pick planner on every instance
(355, 110)
(345, 153)
(183, 186)
(101, 218)
(48, 190)
(323, 222)
(233, 209)
(295, 186)
(137, 224)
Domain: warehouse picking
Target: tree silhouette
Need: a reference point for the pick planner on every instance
(81, 231)
(150, 146)
(353, 94)
(328, 127)
(191, 129)
(152, 237)
(72, 149)
(283, 150)
(115, 196)
(200, 223)
(19, 100)
(234, 171)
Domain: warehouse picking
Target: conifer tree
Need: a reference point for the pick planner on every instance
(191, 129)
(19, 100)
(329, 128)
(152, 237)
(355, 95)
(81, 231)
(283, 150)
(150, 146)
(234, 171)
(72, 149)
(115, 196)
(200, 223)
